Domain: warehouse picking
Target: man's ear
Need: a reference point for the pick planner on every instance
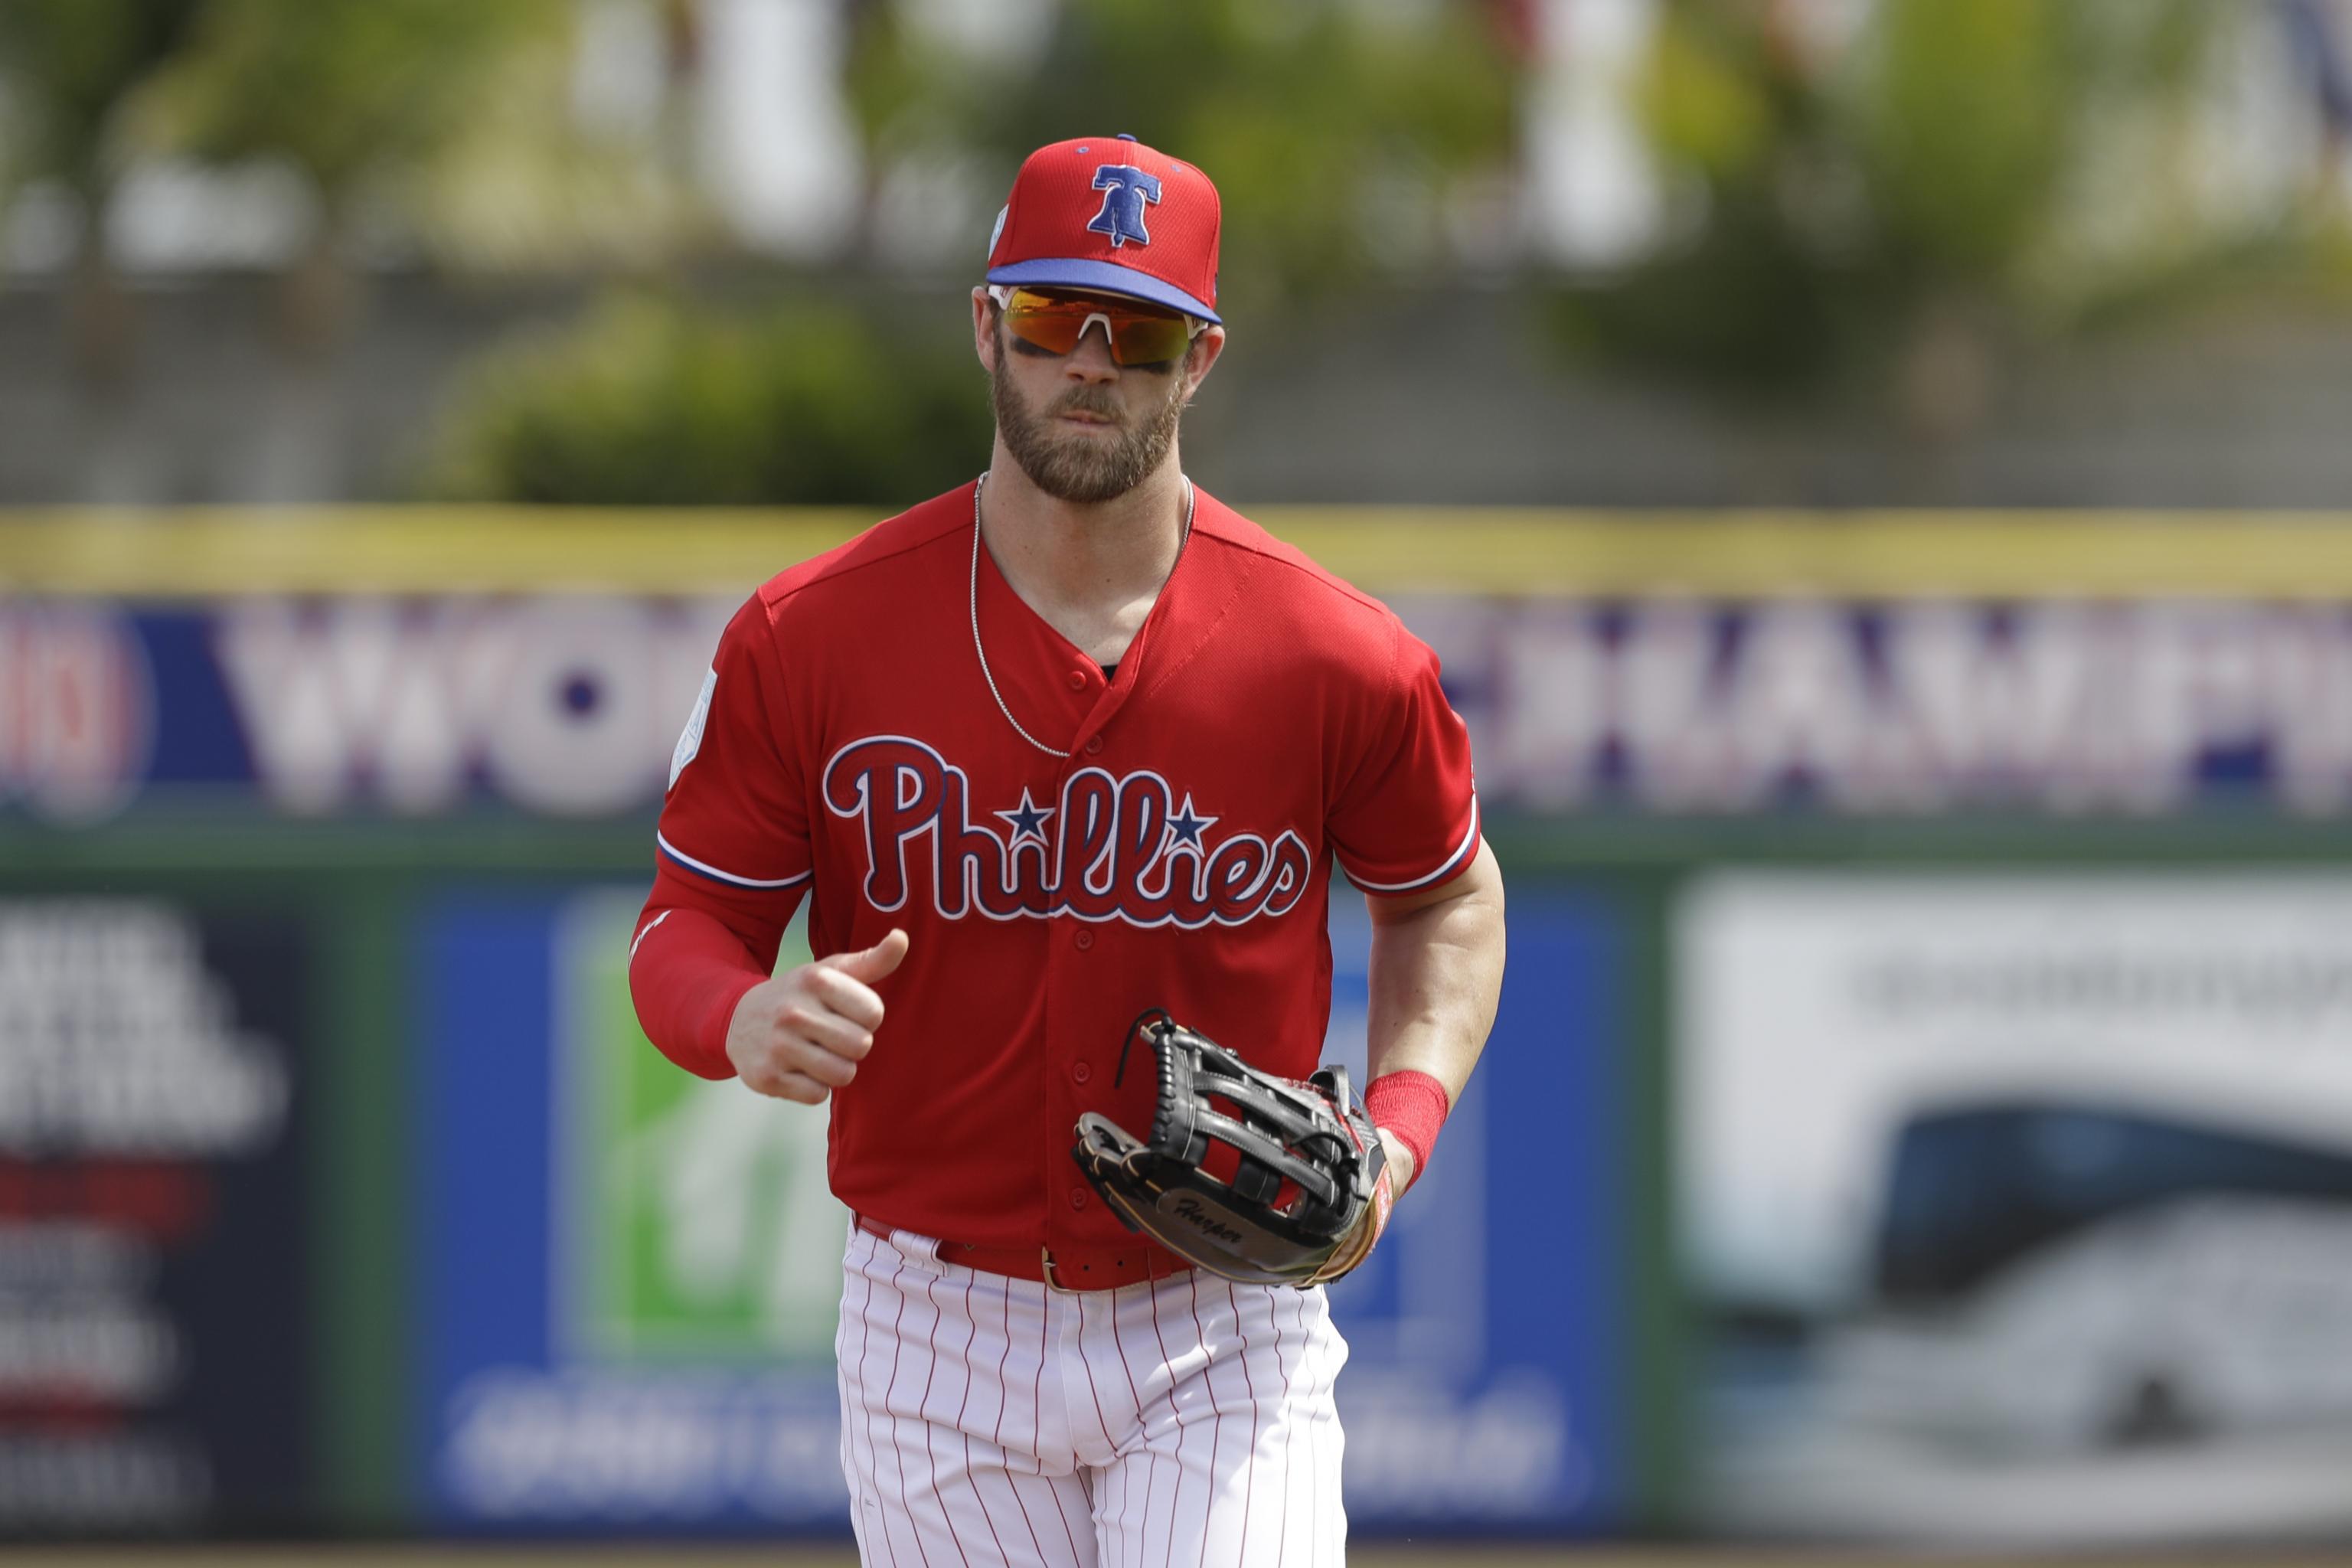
(984, 342)
(1200, 357)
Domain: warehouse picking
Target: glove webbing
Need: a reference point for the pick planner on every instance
(1183, 1124)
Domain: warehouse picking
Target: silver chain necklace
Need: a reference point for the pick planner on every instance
(977, 486)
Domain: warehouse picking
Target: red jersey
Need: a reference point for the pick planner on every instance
(1266, 721)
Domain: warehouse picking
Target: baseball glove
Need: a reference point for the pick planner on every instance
(1307, 1192)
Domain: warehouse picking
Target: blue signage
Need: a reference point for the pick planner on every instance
(632, 1275)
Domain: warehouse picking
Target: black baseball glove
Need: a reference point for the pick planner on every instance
(1308, 1192)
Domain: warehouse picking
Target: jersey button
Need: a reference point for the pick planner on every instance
(1084, 940)
(1094, 745)
(1081, 1073)
(1077, 1197)
(1077, 680)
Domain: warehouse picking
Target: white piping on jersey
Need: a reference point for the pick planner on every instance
(1469, 842)
(646, 933)
(977, 485)
(691, 864)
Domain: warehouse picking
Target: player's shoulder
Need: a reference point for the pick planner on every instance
(877, 566)
(1326, 612)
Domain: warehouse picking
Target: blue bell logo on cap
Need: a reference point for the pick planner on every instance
(1126, 191)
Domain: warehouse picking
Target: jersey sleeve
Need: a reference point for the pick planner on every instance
(1405, 816)
(736, 814)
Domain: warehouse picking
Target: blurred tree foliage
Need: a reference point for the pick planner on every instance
(66, 70)
(454, 116)
(449, 124)
(1340, 135)
(343, 89)
(459, 113)
(1964, 173)
(69, 66)
(647, 401)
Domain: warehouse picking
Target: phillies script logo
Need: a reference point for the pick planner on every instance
(1109, 848)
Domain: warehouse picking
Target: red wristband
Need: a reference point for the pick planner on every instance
(1413, 1106)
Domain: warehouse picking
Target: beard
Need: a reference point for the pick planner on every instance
(1076, 469)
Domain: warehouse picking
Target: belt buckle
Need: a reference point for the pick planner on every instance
(1046, 1254)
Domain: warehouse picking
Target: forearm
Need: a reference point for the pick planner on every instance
(1436, 975)
(692, 957)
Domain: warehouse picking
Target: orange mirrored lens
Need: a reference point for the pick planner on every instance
(1056, 323)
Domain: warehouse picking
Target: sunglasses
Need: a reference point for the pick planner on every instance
(1056, 323)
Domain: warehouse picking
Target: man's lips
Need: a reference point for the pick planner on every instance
(1082, 416)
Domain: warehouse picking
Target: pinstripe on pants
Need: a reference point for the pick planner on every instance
(988, 1420)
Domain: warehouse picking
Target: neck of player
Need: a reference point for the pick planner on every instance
(1090, 572)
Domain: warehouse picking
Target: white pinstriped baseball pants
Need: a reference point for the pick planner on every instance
(991, 1421)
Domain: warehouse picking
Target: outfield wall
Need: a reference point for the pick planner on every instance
(1853, 859)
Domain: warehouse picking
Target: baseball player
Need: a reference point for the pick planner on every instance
(1067, 743)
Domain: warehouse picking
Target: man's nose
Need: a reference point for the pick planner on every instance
(1091, 360)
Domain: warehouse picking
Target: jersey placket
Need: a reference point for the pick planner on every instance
(1061, 696)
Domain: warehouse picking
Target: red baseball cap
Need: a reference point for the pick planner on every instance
(1109, 214)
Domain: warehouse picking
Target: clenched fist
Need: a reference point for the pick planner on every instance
(801, 1035)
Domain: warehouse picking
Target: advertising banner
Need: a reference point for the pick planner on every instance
(568, 706)
(561, 706)
(1485, 1385)
(153, 1342)
(2019, 1206)
(633, 1275)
